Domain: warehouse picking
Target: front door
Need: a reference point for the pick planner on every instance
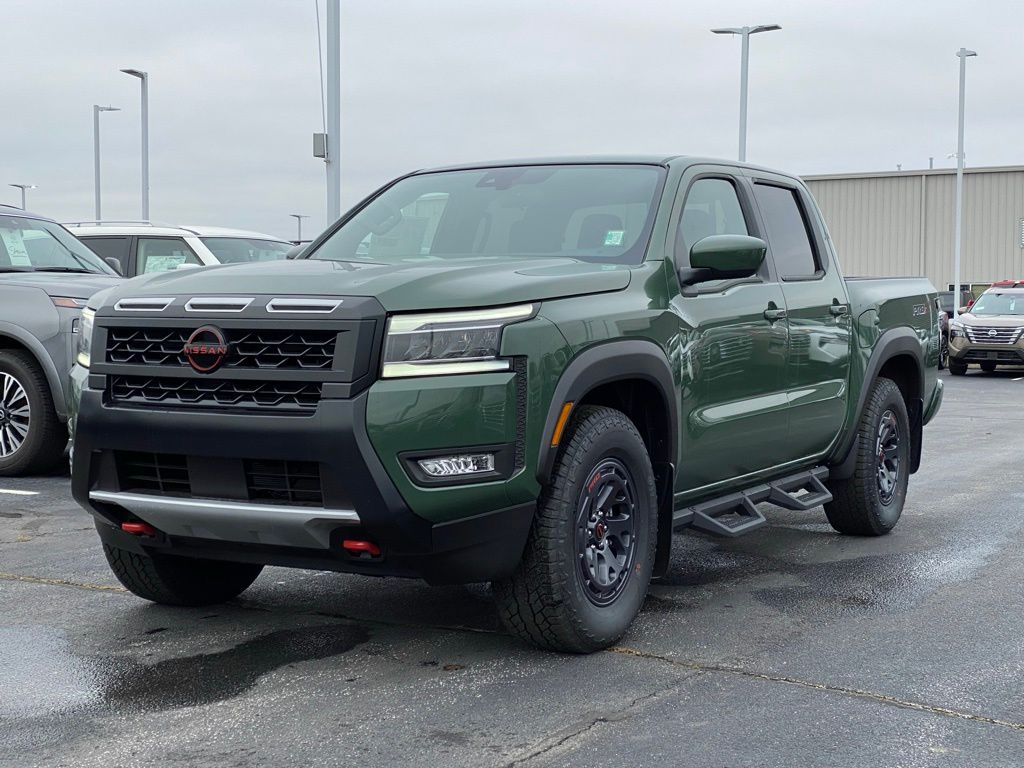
(818, 367)
(731, 346)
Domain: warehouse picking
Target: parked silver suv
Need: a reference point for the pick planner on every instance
(46, 277)
(991, 332)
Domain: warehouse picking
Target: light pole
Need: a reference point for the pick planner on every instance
(96, 109)
(744, 33)
(298, 220)
(144, 80)
(962, 54)
(23, 187)
(333, 158)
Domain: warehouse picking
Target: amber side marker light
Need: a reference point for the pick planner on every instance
(563, 417)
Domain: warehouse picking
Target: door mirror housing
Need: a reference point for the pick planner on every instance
(723, 257)
(115, 264)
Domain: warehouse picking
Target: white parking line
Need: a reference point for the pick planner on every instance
(1019, 378)
(13, 492)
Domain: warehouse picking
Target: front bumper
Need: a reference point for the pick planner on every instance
(360, 498)
(968, 351)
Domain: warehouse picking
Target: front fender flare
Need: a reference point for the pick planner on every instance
(38, 351)
(603, 364)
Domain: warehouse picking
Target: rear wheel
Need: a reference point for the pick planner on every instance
(589, 557)
(32, 438)
(956, 367)
(944, 353)
(988, 367)
(172, 580)
(870, 502)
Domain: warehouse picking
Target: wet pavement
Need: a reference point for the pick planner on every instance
(789, 647)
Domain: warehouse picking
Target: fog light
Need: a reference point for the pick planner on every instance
(458, 466)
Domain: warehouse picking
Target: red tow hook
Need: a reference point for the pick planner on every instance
(357, 547)
(138, 528)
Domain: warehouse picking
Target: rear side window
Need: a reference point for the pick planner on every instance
(787, 231)
(162, 254)
(711, 208)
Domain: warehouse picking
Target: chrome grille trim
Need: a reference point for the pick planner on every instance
(218, 304)
(148, 304)
(983, 334)
(304, 306)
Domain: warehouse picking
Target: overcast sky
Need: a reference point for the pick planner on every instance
(235, 92)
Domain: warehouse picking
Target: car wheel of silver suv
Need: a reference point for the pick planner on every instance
(32, 439)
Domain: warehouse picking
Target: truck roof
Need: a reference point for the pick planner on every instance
(640, 159)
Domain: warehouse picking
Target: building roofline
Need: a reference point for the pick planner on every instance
(913, 173)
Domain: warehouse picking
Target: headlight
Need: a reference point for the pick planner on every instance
(83, 357)
(442, 343)
(957, 329)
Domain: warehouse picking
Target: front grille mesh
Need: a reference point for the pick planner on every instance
(285, 482)
(162, 473)
(225, 393)
(248, 348)
(992, 335)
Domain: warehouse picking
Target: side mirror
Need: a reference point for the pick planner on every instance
(723, 257)
(295, 251)
(961, 310)
(115, 264)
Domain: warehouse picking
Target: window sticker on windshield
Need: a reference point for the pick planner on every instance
(15, 245)
(614, 237)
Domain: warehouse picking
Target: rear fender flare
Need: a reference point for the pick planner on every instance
(895, 341)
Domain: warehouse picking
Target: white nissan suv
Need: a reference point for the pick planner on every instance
(139, 248)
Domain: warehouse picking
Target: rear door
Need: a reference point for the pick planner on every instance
(730, 351)
(818, 361)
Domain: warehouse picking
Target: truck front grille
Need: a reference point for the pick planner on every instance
(163, 473)
(979, 334)
(267, 349)
(284, 482)
(299, 396)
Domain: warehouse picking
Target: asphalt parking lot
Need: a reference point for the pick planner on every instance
(790, 647)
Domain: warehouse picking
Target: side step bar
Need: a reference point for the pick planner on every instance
(736, 513)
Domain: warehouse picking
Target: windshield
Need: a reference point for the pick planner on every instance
(999, 304)
(590, 213)
(235, 250)
(32, 245)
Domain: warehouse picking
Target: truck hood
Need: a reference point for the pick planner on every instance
(427, 284)
(71, 284)
(992, 321)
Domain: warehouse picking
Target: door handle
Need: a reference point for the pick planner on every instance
(772, 314)
(839, 309)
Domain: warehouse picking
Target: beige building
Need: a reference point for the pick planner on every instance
(902, 222)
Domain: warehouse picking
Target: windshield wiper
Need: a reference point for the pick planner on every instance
(78, 270)
(15, 269)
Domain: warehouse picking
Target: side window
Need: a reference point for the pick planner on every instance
(788, 235)
(162, 254)
(711, 208)
(109, 248)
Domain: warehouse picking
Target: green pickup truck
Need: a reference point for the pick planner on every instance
(530, 373)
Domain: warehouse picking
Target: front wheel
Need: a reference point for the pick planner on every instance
(590, 553)
(186, 581)
(870, 503)
(957, 368)
(32, 438)
(944, 353)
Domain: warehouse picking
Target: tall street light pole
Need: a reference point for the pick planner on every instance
(333, 87)
(23, 187)
(962, 54)
(144, 80)
(96, 109)
(744, 33)
(298, 220)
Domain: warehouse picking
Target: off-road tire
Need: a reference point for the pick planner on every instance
(545, 601)
(957, 368)
(185, 581)
(857, 508)
(987, 366)
(43, 446)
